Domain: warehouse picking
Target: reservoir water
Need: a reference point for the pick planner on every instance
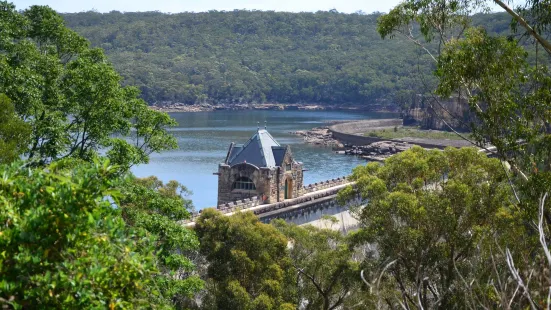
(204, 138)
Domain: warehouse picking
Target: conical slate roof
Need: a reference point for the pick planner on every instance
(259, 151)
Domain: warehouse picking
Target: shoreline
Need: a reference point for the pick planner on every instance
(270, 107)
(348, 138)
(320, 136)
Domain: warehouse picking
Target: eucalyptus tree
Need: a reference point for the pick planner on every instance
(248, 266)
(509, 96)
(326, 268)
(432, 217)
(70, 94)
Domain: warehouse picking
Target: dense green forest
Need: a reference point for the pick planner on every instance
(254, 56)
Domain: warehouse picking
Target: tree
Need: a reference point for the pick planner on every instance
(502, 89)
(492, 72)
(158, 208)
(509, 94)
(70, 94)
(14, 133)
(433, 217)
(327, 274)
(64, 245)
(248, 263)
(253, 56)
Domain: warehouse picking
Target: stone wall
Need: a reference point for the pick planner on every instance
(346, 221)
(254, 201)
(324, 185)
(262, 178)
(353, 132)
(310, 193)
(294, 175)
(272, 190)
(310, 211)
(355, 139)
(358, 139)
(240, 204)
(270, 210)
(233, 206)
(360, 127)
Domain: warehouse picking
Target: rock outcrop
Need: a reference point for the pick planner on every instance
(318, 136)
(168, 106)
(377, 151)
(430, 113)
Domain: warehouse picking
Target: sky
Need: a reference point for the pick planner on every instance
(176, 6)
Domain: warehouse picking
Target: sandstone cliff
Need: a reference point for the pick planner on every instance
(432, 113)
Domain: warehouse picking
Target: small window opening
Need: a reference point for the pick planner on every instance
(243, 183)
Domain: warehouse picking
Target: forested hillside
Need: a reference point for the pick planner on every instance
(254, 56)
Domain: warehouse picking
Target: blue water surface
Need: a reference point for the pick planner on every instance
(204, 138)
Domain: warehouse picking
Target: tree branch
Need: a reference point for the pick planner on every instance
(311, 278)
(546, 44)
(518, 279)
(543, 242)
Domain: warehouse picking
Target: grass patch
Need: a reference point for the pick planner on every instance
(412, 132)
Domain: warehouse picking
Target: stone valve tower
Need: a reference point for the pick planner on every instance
(261, 167)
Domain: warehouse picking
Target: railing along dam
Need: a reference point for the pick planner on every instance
(316, 200)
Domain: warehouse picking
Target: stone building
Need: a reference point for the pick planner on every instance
(261, 167)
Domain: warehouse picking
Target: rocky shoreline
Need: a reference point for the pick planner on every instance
(318, 136)
(206, 107)
(376, 151)
(372, 149)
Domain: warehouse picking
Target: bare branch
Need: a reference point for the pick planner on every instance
(365, 281)
(416, 42)
(467, 286)
(510, 182)
(518, 279)
(513, 297)
(543, 242)
(311, 278)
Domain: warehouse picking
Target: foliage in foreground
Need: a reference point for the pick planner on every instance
(14, 132)
(327, 268)
(248, 264)
(509, 97)
(70, 95)
(63, 244)
(158, 208)
(439, 221)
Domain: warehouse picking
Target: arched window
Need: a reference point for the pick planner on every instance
(243, 183)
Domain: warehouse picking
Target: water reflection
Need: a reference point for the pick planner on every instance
(204, 137)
